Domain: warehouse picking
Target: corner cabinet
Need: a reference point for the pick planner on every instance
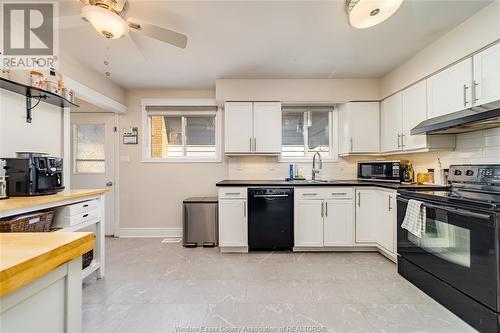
(252, 127)
(376, 218)
(403, 111)
(323, 217)
(233, 218)
(359, 128)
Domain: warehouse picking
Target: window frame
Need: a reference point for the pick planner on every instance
(146, 129)
(333, 146)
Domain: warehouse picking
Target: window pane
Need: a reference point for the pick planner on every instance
(293, 134)
(200, 136)
(89, 148)
(318, 132)
(166, 136)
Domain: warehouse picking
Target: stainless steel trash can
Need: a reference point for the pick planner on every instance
(200, 221)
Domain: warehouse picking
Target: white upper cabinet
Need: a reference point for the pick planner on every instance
(238, 124)
(414, 102)
(391, 120)
(359, 127)
(450, 90)
(252, 127)
(267, 127)
(487, 75)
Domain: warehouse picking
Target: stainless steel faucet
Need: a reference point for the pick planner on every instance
(314, 170)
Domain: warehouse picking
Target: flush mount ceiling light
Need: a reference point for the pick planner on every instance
(367, 13)
(105, 21)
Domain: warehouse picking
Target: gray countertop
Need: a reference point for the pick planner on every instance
(354, 182)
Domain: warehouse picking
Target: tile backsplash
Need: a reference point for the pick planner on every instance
(472, 148)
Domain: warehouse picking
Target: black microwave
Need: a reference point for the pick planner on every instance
(387, 171)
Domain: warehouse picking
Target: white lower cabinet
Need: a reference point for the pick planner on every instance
(338, 223)
(308, 223)
(376, 218)
(323, 221)
(233, 217)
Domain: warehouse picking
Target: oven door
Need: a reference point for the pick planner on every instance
(458, 246)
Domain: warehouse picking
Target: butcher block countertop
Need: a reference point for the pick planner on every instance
(25, 257)
(15, 203)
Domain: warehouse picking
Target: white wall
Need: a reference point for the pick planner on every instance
(473, 34)
(298, 90)
(151, 194)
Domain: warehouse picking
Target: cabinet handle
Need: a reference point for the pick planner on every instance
(402, 140)
(322, 209)
(326, 208)
(465, 95)
(474, 91)
(305, 194)
(244, 208)
(251, 144)
(339, 193)
(359, 199)
(233, 193)
(399, 137)
(254, 144)
(351, 146)
(390, 207)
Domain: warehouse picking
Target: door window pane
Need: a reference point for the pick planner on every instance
(89, 154)
(293, 134)
(318, 132)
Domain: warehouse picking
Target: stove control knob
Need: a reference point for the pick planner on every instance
(458, 172)
(469, 173)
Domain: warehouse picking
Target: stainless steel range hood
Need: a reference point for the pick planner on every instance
(468, 120)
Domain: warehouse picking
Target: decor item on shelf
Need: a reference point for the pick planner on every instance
(69, 94)
(108, 17)
(367, 13)
(422, 178)
(37, 80)
(4, 72)
(4, 187)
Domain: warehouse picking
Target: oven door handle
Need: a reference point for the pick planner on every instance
(454, 210)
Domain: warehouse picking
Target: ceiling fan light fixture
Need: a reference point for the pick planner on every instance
(105, 21)
(367, 13)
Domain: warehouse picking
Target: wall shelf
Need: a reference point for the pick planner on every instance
(35, 93)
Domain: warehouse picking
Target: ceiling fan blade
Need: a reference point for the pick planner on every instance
(71, 22)
(162, 34)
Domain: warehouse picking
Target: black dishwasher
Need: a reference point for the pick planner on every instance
(270, 219)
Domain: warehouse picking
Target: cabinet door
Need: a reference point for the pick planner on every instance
(364, 127)
(450, 90)
(233, 222)
(267, 127)
(386, 205)
(367, 216)
(344, 136)
(414, 100)
(308, 223)
(391, 123)
(238, 121)
(338, 223)
(487, 75)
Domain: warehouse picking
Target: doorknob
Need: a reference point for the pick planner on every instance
(109, 184)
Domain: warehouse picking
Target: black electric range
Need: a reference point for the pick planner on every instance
(457, 258)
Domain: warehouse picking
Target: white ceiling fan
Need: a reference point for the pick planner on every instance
(108, 17)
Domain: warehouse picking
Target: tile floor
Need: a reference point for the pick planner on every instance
(155, 287)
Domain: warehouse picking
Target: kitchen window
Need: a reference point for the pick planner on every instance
(307, 130)
(182, 133)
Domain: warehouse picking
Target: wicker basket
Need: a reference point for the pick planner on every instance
(87, 259)
(34, 222)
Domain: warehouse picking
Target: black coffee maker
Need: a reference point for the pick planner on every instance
(34, 174)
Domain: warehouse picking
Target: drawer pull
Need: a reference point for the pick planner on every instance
(339, 193)
(233, 193)
(85, 206)
(305, 194)
(85, 215)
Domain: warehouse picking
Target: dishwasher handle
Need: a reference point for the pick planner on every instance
(270, 195)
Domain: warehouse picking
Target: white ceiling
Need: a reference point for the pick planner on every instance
(260, 39)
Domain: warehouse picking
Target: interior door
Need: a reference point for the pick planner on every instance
(267, 127)
(487, 75)
(392, 112)
(92, 157)
(414, 112)
(238, 120)
(450, 90)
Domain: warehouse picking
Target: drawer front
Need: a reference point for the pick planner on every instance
(312, 192)
(232, 193)
(78, 208)
(68, 221)
(339, 193)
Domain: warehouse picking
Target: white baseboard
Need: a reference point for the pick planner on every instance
(151, 232)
